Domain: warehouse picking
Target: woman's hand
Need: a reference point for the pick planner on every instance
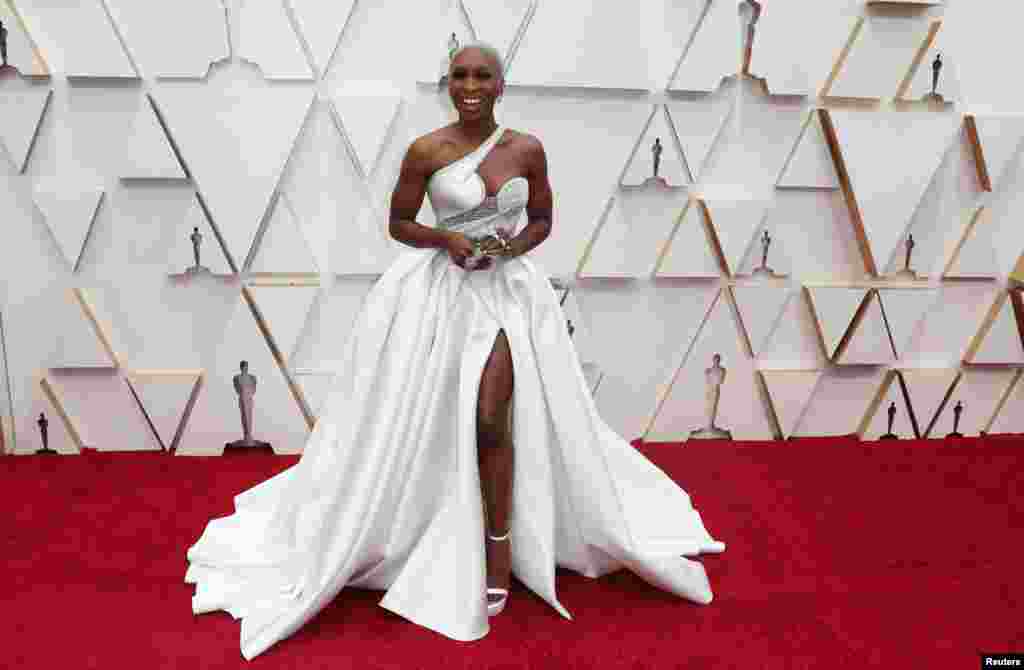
(460, 248)
(498, 245)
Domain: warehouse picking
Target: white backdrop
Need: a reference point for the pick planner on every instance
(277, 127)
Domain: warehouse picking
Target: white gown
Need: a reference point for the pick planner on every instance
(387, 492)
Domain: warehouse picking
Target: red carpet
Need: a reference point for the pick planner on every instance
(840, 555)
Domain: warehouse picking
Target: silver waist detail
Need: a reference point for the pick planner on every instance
(474, 220)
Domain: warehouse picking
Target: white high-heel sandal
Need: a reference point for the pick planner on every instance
(495, 608)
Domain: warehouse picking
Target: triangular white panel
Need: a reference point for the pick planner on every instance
(215, 419)
(164, 396)
(569, 43)
(976, 254)
(760, 308)
(715, 51)
(884, 45)
(283, 247)
(69, 211)
(951, 324)
(1011, 417)
(790, 391)
(21, 53)
(498, 23)
(869, 343)
(904, 309)
(950, 199)
(980, 390)
(634, 233)
(840, 401)
(148, 153)
(1000, 138)
(235, 157)
(267, 39)
(927, 388)
(181, 254)
(794, 344)
(665, 320)
(362, 245)
(690, 252)
(91, 398)
(888, 191)
(78, 344)
(762, 126)
(323, 182)
(179, 39)
(834, 308)
(1002, 343)
(811, 164)
(284, 310)
(321, 344)
(22, 112)
(316, 386)
(671, 168)
(28, 436)
(321, 24)
(789, 71)
(902, 427)
(734, 223)
(77, 38)
(365, 114)
(740, 408)
(921, 81)
(984, 73)
(698, 126)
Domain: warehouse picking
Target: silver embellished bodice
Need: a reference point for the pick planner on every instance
(459, 198)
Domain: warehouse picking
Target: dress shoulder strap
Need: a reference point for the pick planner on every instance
(477, 156)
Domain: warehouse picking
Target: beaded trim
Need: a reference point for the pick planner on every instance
(486, 209)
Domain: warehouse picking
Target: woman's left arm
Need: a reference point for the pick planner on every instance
(538, 208)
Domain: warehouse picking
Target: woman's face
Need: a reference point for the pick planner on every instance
(474, 84)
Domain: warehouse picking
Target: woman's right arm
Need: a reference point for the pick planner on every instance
(406, 201)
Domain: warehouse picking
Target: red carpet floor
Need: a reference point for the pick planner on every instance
(840, 555)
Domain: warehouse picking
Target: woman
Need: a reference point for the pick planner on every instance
(408, 482)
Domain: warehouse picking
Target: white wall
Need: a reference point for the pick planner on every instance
(278, 127)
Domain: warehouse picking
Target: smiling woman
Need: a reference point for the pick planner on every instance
(408, 481)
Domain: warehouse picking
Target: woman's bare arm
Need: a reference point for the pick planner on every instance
(407, 199)
(538, 208)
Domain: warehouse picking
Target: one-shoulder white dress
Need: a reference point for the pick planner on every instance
(386, 494)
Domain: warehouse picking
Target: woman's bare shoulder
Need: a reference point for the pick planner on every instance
(428, 145)
(528, 144)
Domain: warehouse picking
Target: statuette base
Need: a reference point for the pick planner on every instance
(656, 182)
(764, 272)
(711, 433)
(196, 270)
(954, 434)
(906, 273)
(45, 451)
(248, 447)
(889, 436)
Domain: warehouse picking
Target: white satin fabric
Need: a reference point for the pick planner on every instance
(387, 492)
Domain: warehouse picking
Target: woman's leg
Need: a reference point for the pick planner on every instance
(494, 453)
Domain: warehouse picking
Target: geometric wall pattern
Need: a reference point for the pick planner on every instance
(275, 132)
